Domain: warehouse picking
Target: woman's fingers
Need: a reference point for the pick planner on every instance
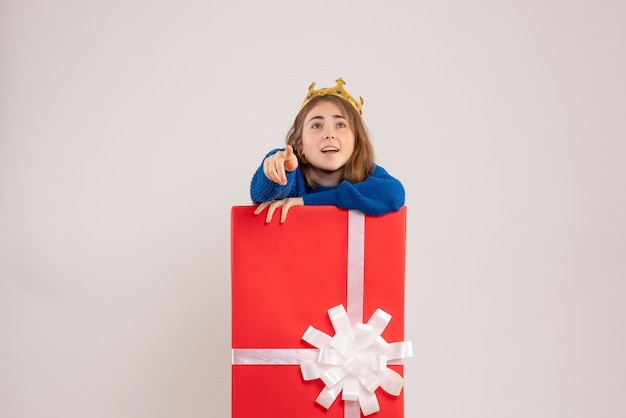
(285, 204)
(261, 207)
(270, 210)
(276, 165)
(274, 168)
(291, 161)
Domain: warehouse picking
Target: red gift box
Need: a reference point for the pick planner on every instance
(285, 278)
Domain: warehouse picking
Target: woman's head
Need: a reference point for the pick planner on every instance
(349, 154)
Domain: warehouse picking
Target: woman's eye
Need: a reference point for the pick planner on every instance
(316, 126)
(341, 125)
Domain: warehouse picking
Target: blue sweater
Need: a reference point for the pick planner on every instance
(377, 195)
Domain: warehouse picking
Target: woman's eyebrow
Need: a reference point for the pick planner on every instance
(315, 117)
(322, 117)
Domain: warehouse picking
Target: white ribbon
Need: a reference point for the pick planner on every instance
(354, 361)
(356, 252)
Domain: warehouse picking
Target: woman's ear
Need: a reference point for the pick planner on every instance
(299, 152)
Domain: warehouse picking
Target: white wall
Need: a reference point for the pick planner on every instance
(128, 128)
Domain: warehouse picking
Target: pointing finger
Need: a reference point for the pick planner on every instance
(288, 152)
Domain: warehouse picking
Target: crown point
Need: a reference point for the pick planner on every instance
(336, 91)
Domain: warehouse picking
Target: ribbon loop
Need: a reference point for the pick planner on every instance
(400, 350)
(341, 322)
(328, 395)
(310, 371)
(391, 382)
(379, 363)
(369, 402)
(379, 321)
(316, 337)
(350, 389)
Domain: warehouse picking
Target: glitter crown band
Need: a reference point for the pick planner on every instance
(338, 90)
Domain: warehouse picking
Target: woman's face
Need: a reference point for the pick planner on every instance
(327, 140)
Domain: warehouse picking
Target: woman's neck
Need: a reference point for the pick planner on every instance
(326, 178)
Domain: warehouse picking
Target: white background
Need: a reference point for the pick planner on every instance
(128, 128)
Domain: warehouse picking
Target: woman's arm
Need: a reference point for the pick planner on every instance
(379, 194)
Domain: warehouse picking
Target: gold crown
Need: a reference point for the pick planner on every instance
(338, 90)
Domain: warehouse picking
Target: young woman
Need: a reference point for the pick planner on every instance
(328, 160)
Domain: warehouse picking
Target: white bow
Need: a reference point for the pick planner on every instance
(354, 361)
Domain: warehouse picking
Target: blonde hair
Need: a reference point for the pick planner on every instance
(361, 162)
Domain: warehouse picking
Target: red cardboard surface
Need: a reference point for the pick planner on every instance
(285, 277)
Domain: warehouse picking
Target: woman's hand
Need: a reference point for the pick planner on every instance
(286, 204)
(276, 164)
